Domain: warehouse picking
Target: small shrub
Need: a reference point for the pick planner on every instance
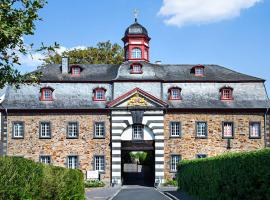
(93, 183)
(171, 182)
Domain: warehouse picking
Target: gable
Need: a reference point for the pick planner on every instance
(137, 98)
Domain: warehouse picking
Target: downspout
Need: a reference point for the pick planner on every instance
(6, 128)
(265, 129)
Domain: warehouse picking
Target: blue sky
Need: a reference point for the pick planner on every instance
(235, 34)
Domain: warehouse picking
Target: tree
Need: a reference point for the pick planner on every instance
(103, 53)
(17, 19)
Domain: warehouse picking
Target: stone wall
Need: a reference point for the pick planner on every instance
(188, 146)
(59, 147)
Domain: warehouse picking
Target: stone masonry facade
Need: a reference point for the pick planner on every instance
(59, 147)
(188, 146)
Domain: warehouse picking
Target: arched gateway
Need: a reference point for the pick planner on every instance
(137, 116)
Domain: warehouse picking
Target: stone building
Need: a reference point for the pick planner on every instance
(90, 116)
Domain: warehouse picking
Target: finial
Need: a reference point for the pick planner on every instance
(136, 14)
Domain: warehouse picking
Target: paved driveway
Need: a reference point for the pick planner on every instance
(139, 193)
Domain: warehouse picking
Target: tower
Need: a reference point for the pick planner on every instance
(136, 42)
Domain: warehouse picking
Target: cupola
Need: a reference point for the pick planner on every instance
(136, 42)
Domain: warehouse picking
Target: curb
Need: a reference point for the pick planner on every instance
(169, 196)
(115, 194)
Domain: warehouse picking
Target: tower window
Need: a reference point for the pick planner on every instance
(136, 53)
(99, 94)
(226, 93)
(136, 68)
(46, 94)
(174, 93)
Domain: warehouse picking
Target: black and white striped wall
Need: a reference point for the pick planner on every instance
(123, 119)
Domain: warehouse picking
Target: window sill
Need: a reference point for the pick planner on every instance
(173, 172)
(45, 138)
(227, 137)
(95, 137)
(17, 138)
(175, 137)
(254, 137)
(72, 137)
(201, 137)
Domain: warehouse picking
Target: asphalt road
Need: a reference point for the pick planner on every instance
(139, 193)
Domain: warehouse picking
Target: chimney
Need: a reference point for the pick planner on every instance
(158, 62)
(65, 65)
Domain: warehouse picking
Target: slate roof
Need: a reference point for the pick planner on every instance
(76, 93)
(135, 29)
(105, 73)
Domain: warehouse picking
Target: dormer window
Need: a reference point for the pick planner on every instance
(198, 70)
(136, 68)
(99, 94)
(46, 94)
(75, 71)
(175, 93)
(226, 93)
(136, 53)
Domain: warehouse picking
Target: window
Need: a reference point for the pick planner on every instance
(136, 68)
(137, 132)
(73, 130)
(45, 159)
(175, 129)
(46, 94)
(18, 130)
(99, 94)
(99, 163)
(201, 156)
(72, 162)
(45, 130)
(227, 130)
(174, 94)
(255, 130)
(226, 94)
(99, 130)
(75, 71)
(136, 53)
(201, 129)
(174, 161)
(199, 71)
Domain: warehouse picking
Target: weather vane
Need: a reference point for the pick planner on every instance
(136, 14)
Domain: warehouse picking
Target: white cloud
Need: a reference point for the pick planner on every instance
(30, 62)
(182, 12)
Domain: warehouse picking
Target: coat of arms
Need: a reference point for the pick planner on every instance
(136, 100)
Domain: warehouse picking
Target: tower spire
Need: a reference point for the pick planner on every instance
(136, 14)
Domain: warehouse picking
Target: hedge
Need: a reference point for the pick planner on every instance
(230, 176)
(21, 178)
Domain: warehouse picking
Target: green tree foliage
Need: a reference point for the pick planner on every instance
(229, 176)
(17, 19)
(103, 53)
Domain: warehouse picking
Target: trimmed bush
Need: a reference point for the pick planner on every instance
(230, 176)
(93, 183)
(24, 179)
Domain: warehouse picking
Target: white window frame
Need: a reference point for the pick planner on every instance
(201, 131)
(47, 94)
(18, 130)
(175, 129)
(228, 127)
(72, 162)
(175, 93)
(73, 130)
(199, 71)
(137, 132)
(45, 130)
(99, 163)
(99, 131)
(45, 159)
(175, 159)
(136, 68)
(252, 130)
(136, 53)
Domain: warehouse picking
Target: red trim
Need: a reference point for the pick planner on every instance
(112, 103)
(198, 67)
(230, 93)
(179, 93)
(42, 97)
(132, 68)
(103, 94)
(73, 70)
